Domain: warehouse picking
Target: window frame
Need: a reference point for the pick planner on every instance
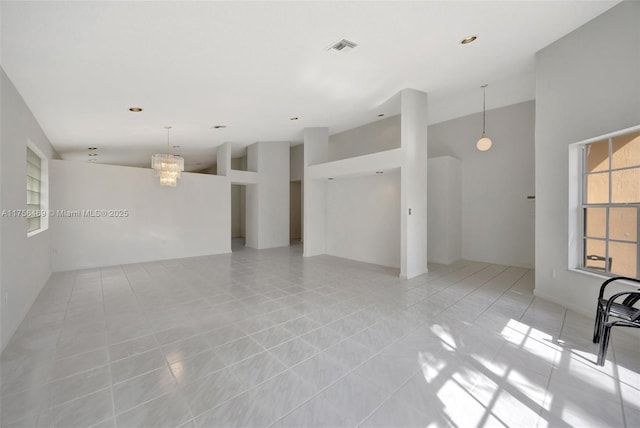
(578, 204)
(44, 188)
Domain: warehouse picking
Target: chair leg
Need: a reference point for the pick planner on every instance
(604, 343)
(597, 325)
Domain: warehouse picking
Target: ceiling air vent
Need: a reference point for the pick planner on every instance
(342, 45)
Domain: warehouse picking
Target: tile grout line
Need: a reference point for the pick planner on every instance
(553, 364)
(381, 306)
(113, 401)
(348, 372)
(617, 383)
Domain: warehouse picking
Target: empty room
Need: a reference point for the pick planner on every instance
(319, 214)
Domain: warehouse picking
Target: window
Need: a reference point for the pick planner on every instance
(36, 191)
(610, 204)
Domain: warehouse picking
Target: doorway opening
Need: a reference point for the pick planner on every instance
(295, 212)
(238, 217)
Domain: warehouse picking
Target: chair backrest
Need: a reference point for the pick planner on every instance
(631, 300)
(606, 262)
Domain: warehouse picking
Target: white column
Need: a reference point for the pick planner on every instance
(224, 159)
(316, 149)
(252, 202)
(267, 204)
(413, 183)
(273, 189)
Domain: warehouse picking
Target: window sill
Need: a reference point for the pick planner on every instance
(36, 232)
(601, 276)
(591, 273)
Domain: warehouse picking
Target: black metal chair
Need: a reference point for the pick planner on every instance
(619, 306)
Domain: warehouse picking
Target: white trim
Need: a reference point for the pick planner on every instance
(607, 136)
(565, 304)
(591, 273)
(575, 199)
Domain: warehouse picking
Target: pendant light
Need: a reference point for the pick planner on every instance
(168, 167)
(484, 143)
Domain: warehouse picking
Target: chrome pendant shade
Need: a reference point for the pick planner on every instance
(484, 143)
(168, 167)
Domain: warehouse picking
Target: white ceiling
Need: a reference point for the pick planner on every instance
(254, 65)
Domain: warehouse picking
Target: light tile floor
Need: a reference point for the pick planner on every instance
(267, 338)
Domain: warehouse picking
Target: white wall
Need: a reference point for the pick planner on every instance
(189, 220)
(498, 221)
(252, 202)
(363, 218)
(383, 134)
(26, 262)
(587, 84)
(314, 193)
(267, 204)
(444, 217)
(273, 169)
(501, 93)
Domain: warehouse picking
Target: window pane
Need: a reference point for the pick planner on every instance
(33, 223)
(595, 254)
(598, 156)
(33, 171)
(623, 224)
(34, 175)
(33, 198)
(33, 158)
(595, 222)
(626, 151)
(33, 184)
(623, 258)
(598, 188)
(625, 186)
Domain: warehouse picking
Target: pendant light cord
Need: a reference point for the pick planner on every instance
(484, 108)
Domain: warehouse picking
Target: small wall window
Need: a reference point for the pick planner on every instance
(37, 191)
(609, 211)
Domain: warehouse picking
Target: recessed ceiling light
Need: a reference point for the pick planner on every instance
(381, 115)
(294, 118)
(176, 147)
(93, 154)
(379, 172)
(219, 126)
(92, 148)
(468, 40)
(330, 178)
(136, 109)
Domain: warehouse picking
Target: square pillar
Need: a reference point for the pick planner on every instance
(316, 150)
(413, 184)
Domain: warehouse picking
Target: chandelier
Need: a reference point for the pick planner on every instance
(168, 167)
